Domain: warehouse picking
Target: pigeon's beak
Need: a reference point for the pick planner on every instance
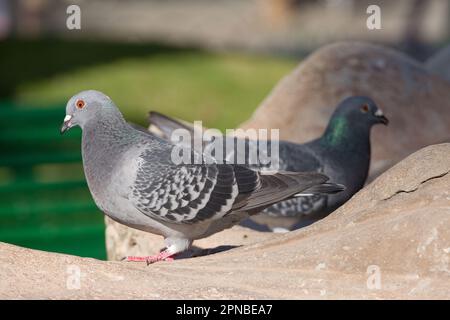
(381, 117)
(66, 124)
(384, 120)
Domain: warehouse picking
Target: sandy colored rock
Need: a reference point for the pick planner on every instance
(416, 102)
(396, 227)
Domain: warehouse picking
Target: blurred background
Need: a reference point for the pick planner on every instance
(193, 59)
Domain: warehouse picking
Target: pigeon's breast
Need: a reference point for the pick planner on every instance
(100, 163)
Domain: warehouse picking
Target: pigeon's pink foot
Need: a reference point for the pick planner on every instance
(162, 256)
(135, 259)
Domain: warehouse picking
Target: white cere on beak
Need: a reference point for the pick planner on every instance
(379, 113)
(67, 118)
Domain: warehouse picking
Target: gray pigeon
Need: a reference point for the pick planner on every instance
(134, 180)
(342, 153)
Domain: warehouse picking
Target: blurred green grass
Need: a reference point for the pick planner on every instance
(222, 89)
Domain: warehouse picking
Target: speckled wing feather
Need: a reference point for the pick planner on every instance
(292, 207)
(301, 159)
(277, 187)
(193, 193)
(183, 193)
(298, 158)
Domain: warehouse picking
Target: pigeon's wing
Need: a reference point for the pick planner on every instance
(298, 158)
(309, 201)
(168, 125)
(193, 193)
(165, 127)
(302, 205)
(225, 149)
(291, 157)
(277, 187)
(183, 193)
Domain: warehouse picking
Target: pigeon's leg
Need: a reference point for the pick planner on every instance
(139, 258)
(174, 246)
(164, 255)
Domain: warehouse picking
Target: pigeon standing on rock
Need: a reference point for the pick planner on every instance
(133, 179)
(342, 153)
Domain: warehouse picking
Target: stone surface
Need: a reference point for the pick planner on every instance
(395, 228)
(416, 102)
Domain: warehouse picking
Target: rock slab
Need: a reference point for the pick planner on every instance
(390, 241)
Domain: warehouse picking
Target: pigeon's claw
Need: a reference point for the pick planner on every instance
(162, 256)
(134, 259)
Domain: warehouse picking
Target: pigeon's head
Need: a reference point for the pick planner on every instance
(354, 117)
(360, 111)
(86, 106)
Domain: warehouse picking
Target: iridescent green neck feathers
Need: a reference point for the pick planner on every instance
(337, 131)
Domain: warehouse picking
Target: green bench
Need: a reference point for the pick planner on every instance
(44, 200)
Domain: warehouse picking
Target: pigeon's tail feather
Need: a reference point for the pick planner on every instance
(324, 188)
(166, 124)
(278, 187)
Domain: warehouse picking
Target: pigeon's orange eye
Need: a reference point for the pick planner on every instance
(80, 104)
(365, 108)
